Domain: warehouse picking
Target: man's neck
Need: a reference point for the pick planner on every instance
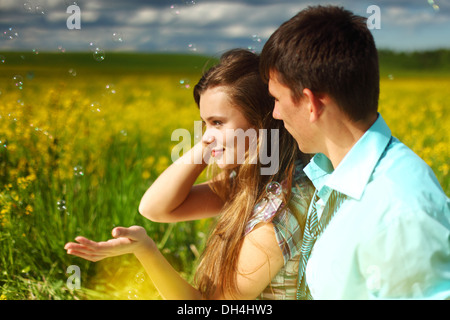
(342, 136)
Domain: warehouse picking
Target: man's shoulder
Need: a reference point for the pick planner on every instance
(402, 175)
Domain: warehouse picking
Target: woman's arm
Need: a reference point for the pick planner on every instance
(135, 240)
(260, 259)
(173, 196)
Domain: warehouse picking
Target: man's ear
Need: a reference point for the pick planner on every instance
(315, 104)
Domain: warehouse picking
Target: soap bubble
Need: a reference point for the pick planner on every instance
(61, 205)
(185, 83)
(92, 46)
(189, 2)
(10, 34)
(110, 88)
(192, 47)
(18, 81)
(133, 294)
(433, 5)
(174, 10)
(78, 171)
(256, 38)
(28, 6)
(117, 37)
(99, 54)
(72, 72)
(35, 51)
(139, 277)
(40, 10)
(2, 59)
(274, 188)
(256, 43)
(95, 107)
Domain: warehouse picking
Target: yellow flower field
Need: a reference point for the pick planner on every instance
(78, 150)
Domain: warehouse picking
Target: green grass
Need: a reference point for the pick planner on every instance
(49, 127)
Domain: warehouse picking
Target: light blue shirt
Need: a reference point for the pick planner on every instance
(391, 238)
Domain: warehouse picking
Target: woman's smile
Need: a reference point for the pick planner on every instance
(217, 152)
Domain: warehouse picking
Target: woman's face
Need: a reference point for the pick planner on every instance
(221, 123)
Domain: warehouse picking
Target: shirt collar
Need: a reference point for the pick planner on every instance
(353, 173)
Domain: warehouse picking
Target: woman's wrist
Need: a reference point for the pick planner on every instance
(147, 246)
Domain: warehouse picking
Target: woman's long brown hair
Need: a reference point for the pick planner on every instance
(238, 73)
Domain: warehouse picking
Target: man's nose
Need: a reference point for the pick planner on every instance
(275, 113)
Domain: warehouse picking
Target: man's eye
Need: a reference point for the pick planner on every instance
(217, 122)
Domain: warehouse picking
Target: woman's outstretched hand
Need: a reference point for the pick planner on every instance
(126, 240)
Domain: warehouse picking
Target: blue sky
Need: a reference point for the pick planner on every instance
(202, 26)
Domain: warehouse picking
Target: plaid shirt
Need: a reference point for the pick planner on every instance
(288, 233)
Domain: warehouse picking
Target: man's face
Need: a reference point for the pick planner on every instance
(295, 115)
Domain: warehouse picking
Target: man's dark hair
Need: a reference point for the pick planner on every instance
(326, 49)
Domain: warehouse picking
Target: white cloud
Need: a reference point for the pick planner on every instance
(213, 25)
(401, 16)
(138, 17)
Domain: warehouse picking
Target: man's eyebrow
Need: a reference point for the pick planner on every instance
(272, 95)
(270, 92)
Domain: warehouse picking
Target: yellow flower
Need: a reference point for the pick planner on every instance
(5, 223)
(149, 161)
(28, 209)
(146, 175)
(14, 196)
(444, 168)
(162, 164)
(22, 183)
(3, 297)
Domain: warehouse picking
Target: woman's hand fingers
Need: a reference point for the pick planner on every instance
(84, 252)
(77, 246)
(88, 256)
(86, 242)
(126, 240)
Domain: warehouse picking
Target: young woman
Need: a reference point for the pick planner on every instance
(253, 250)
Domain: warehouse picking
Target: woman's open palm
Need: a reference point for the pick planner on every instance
(126, 240)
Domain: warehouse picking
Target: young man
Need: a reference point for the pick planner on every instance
(379, 226)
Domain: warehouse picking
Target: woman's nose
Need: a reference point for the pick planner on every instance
(208, 137)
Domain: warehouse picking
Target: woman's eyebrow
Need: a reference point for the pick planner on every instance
(213, 117)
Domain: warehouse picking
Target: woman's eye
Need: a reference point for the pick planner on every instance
(217, 122)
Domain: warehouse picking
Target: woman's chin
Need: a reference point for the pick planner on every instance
(226, 166)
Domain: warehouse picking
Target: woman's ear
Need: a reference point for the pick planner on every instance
(314, 103)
